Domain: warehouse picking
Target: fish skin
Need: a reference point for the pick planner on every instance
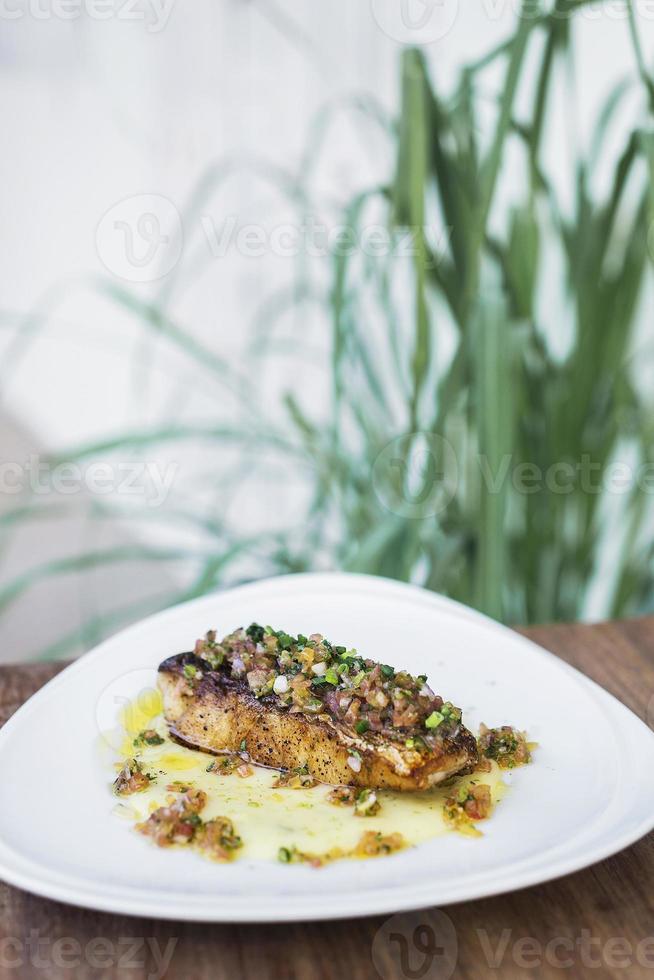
(218, 713)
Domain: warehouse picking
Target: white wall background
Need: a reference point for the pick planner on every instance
(96, 111)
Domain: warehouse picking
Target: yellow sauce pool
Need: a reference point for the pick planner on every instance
(268, 818)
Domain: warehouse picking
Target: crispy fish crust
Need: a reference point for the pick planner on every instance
(219, 714)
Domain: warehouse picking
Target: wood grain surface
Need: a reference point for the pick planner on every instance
(597, 923)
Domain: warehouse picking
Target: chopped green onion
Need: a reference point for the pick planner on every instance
(190, 670)
(435, 719)
(387, 671)
(284, 855)
(215, 659)
(331, 676)
(362, 726)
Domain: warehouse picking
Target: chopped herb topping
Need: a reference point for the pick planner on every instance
(471, 803)
(508, 747)
(180, 823)
(255, 632)
(366, 803)
(342, 796)
(225, 765)
(148, 737)
(373, 844)
(298, 778)
(370, 844)
(131, 779)
(309, 674)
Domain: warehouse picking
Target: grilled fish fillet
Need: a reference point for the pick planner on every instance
(211, 710)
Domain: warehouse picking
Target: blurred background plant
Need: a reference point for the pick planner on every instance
(442, 407)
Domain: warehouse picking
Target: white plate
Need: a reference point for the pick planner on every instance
(588, 795)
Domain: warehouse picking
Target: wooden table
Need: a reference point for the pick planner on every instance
(599, 922)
